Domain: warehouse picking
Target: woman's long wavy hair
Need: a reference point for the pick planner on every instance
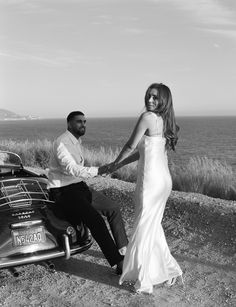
(166, 111)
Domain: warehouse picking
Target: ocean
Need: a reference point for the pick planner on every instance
(213, 137)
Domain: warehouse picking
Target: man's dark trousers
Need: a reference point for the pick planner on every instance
(75, 202)
(111, 211)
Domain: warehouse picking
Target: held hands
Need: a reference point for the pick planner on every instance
(103, 170)
(107, 169)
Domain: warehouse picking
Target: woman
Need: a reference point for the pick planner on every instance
(148, 260)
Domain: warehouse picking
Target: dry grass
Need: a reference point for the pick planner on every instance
(32, 153)
(200, 175)
(206, 176)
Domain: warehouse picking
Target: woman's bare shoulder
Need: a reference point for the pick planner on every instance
(149, 114)
(146, 114)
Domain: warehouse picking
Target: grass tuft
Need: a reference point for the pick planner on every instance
(35, 154)
(206, 176)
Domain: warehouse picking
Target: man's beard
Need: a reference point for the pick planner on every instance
(82, 131)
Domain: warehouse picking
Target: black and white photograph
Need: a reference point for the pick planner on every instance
(117, 153)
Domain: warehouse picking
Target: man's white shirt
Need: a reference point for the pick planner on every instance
(66, 164)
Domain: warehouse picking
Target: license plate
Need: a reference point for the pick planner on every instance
(29, 236)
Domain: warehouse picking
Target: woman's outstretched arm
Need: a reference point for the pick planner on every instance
(131, 158)
(134, 139)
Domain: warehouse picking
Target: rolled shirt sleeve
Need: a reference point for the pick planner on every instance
(68, 164)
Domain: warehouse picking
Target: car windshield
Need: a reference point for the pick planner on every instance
(8, 159)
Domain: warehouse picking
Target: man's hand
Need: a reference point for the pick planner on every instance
(108, 168)
(103, 170)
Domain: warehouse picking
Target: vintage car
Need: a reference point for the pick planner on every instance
(30, 229)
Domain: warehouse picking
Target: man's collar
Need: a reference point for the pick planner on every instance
(73, 139)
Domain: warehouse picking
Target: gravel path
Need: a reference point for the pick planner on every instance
(201, 234)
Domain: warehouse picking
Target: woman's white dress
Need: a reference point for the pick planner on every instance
(148, 260)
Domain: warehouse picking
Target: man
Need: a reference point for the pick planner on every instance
(66, 175)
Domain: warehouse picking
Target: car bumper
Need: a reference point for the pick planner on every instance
(44, 255)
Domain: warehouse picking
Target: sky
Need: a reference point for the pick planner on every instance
(57, 56)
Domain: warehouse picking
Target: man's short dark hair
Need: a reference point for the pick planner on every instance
(73, 114)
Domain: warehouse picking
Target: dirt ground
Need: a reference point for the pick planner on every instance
(206, 255)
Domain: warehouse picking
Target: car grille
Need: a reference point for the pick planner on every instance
(21, 192)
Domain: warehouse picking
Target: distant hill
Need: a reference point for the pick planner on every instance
(5, 114)
(9, 115)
